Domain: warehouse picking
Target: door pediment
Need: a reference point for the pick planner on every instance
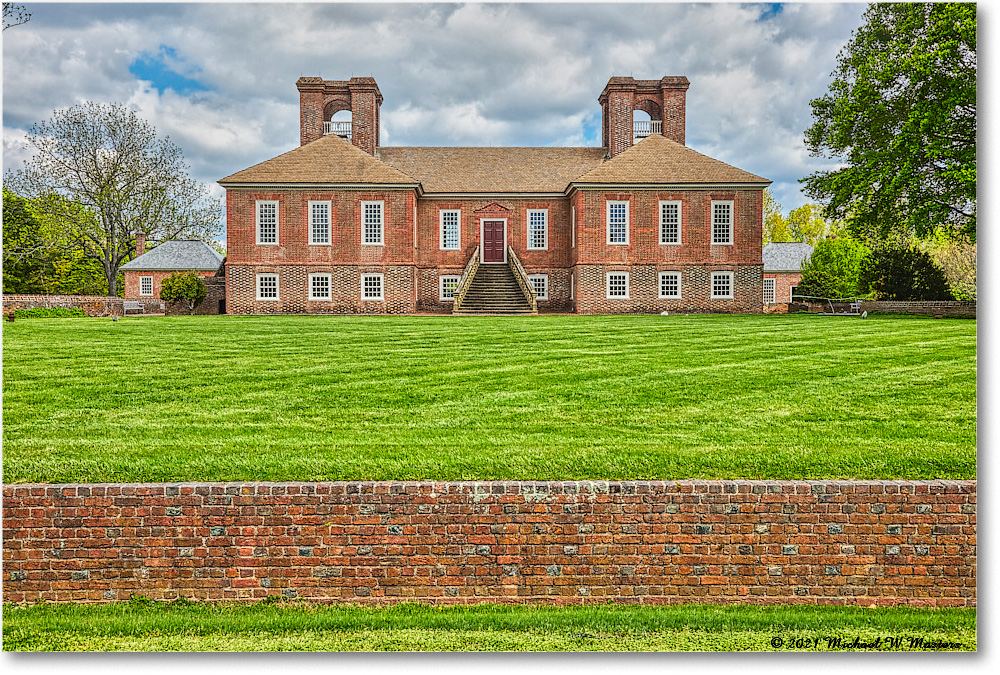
(492, 207)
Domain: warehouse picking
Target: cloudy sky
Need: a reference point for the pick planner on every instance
(219, 79)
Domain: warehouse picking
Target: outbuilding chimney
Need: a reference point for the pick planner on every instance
(140, 243)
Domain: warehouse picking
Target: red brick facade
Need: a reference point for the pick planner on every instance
(132, 281)
(814, 542)
(578, 256)
(783, 283)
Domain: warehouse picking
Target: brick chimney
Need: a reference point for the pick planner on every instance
(140, 243)
(664, 100)
(320, 100)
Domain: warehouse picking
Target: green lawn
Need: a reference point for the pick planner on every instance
(450, 398)
(147, 626)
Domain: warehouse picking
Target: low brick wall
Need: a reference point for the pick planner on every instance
(922, 307)
(92, 305)
(820, 542)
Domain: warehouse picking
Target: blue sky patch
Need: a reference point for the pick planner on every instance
(769, 10)
(163, 69)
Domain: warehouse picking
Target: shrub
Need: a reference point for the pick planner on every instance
(832, 269)
(186, 287)
(902, 273)
(48, 312)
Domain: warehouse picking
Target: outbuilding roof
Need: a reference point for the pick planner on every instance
(785, 256)
(187, 254)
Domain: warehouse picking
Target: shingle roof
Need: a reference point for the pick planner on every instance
(189, 254)
(657, 159)
(330, 159)
(785, 256)
(493, 169)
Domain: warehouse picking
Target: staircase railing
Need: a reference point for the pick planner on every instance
(465, 281)
(522, 279)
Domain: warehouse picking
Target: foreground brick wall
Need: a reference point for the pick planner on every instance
(92, 305)
(828, 542)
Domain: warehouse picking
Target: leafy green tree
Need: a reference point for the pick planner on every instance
(775, 225)
(833, 268)
(901, 116)
(957, 259)
(902, 273)
(808, 225)
(186, 287)
(100, 174)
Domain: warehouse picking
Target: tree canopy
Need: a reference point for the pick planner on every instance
(806, 223)
(100, 174)
(832, 269)
(901, 116)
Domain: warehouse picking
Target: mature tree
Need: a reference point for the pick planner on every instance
(108, 161)
(832, 269)
(901, 117)
(902, 273)
(804, 224)
(775, 226)
(14, 15)
(957, 259)
(186, 287)
(32, 265)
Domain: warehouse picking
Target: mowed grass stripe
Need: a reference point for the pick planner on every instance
(551, 397)
(143, 625)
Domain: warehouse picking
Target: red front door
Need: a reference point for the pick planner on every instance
(493, 241)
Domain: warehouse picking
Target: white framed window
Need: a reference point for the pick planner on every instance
(372, 223)
(670, 285)
(617, 285)
(319, 223)
(572, 231)
(768, 291)
(540, 284)
(670, 223)
(267, 223)
(722, 285)
(447, 286)
(618, 223)
(145, 285)
(372, 287)
(267, 286)
(450, 229)
(319, 286)
(791, 293)
(538, 229)
(722, 222)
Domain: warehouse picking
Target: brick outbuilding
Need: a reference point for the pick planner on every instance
(144, 275)
(783, 270)
(643, 224)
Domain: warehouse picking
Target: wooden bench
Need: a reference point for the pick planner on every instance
(133, 304)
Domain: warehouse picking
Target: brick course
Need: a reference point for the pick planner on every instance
(92, 305)
(817, 542)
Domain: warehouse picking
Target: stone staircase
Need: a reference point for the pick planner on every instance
(494, 290)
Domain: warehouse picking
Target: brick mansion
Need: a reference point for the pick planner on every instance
(642, 224)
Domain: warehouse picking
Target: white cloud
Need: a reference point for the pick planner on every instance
(476, 74)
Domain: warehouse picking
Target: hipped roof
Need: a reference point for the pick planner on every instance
(187, 254)
(333, 160)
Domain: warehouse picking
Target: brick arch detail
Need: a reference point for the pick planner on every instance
(651, 107)
(334, 104)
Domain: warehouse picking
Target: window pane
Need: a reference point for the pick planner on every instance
(617, 222)
(267, 286)
(540, 284)
(371, 285)
(449, 284)
(319, 216)
(617, 286)
(670, 219)
(267, 222)
(449, 229)
(320, 286)
(373, 222)
(722, 285)
(768, 291)
(670, 284)
(537, 229)
(722, 219)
